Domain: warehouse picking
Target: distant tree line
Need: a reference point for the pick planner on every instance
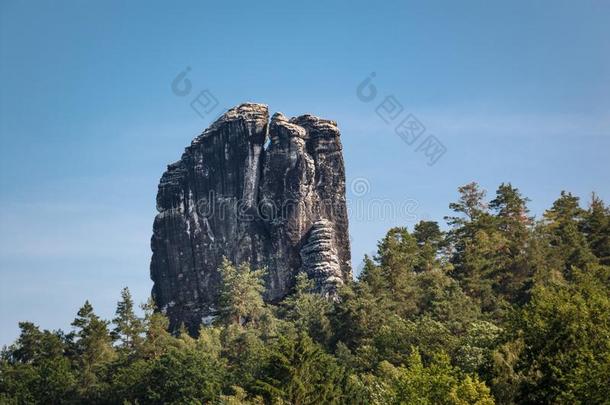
(501, 308)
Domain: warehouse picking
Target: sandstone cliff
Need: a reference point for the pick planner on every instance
(271, 193)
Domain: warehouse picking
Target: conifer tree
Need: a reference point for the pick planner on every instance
(128, 327)
(93, 344)
(157, 338)
(300, 372)
(430, 240)
(515, 226)
(512, 215)
(241, 294)
(596, 227)
(562, 224)
(308, 310)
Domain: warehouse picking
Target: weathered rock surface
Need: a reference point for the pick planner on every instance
(279, 205)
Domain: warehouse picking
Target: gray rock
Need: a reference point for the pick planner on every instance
(280, 205)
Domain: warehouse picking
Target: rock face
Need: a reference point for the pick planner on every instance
(268, 193)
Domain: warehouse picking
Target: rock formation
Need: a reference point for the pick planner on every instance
(280, 205)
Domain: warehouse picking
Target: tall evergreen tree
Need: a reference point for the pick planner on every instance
(308, 310)
(471, 216)
(596, 227)
(562, 228)
(93, 344)
(431, 240)
(477, 246)
(300, 373)
(157, 338)
(129, 328)
(241, 294)
(512, 215)
(515, 225)
(470, 206)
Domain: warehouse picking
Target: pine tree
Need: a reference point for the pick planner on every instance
(513, 223)
(512, 216)
(34, 345)
(372, 276)
(430, 240)
(596, 227)
(93, 344)
(157, 338)
(562, 224)
(397, 253)
(477, 246)
(308, 310)
(472, 217)
(471, 205)
(300, 372)
(241, 294)
(128, 327)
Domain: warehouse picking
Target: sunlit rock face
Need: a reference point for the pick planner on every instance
(267, 192)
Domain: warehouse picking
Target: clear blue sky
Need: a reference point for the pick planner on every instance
(516, 91)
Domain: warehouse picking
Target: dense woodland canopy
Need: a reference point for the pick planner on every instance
(502, 308)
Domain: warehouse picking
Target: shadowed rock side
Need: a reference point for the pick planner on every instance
(281, 206)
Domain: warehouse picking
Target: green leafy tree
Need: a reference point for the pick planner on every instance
(240, 397)
(492, 247)
(359, 313)
(247, 354)
(512, 213)
(565, 331)
(515, 225)
(497, 305)
(477, 347)
(437, 383)
(506, 378)
(471, 205)
(397, 254)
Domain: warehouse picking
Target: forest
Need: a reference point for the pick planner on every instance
(495, 307)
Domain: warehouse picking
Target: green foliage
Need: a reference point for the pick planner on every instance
(498, 309)
(493, 250)
(596, 227)
(566, 329)
(241, 300)
(562, 227)
(157, 338)
(437, 383)
(129, 328)
(308, 311)
(183, 376)
(300, 372)
(476, 348)
(431, 242)
(94, 351)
